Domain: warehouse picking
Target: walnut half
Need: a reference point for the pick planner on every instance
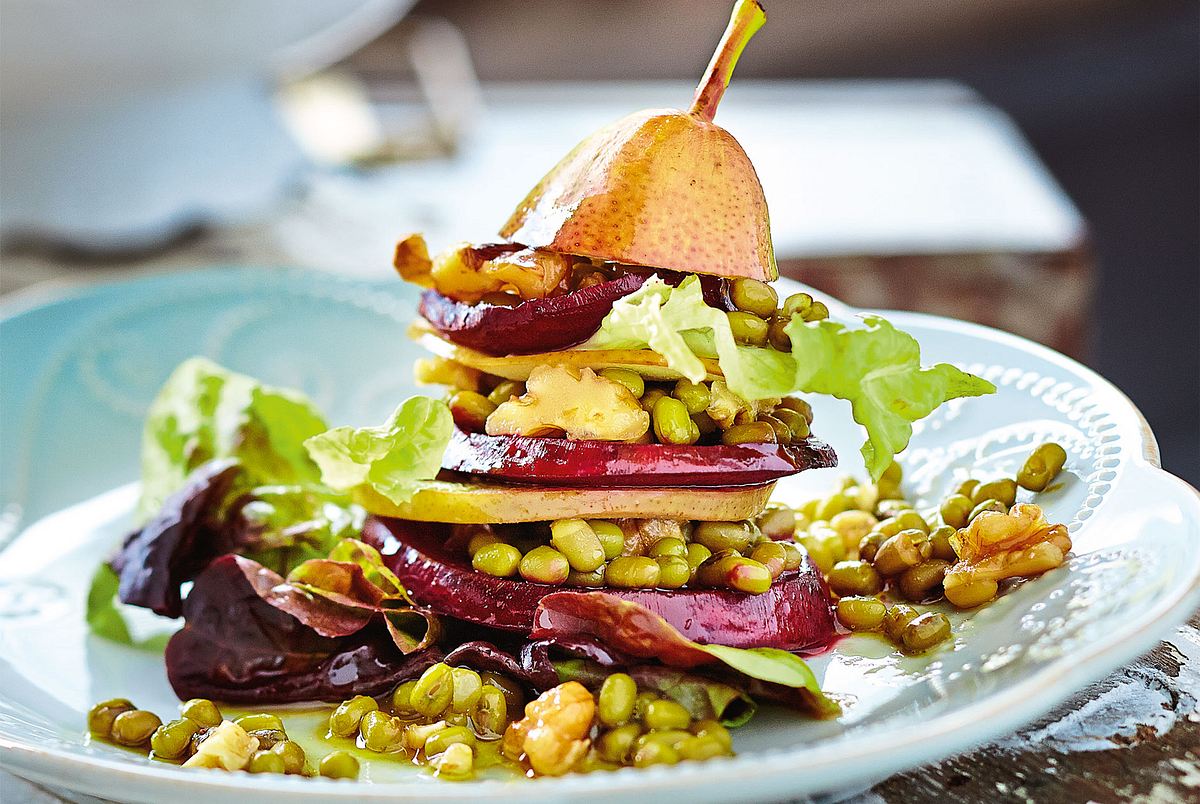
(553, 735)
(996, 546)
(227, 747)
(468, 272)
(586, 406)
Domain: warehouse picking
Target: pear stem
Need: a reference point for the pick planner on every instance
(748, 16)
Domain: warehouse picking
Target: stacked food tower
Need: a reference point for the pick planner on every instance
(614, 370)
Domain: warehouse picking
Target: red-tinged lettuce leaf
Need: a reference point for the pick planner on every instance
(214, 513)
(703, 697)
(281, 526)
(412, 629)
(335, 599)
(371, 562)
(543, 653)
(328, 618)
(177, 542)
(238, 647)
(633, 629)
(339, 582)
(354, 579)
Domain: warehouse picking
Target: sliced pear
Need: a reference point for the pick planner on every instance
(663, 188)
(649, 364)
(472, 503)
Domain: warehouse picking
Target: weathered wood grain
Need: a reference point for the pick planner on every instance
(1135, 736)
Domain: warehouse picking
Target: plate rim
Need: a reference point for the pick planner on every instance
(953, 730)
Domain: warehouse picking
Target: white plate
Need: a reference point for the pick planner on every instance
(78, 373)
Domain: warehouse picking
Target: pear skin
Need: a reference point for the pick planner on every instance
(662, 187)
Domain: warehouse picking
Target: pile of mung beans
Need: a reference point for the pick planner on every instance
(760, 319)
(867, 539)
(635, 554)
(450, 719)
(120, 722)
(439, 719)
(643, 728)
(435, 720)
(681, 412)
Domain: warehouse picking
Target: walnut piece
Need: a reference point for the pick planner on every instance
(586, 406)
(553, 735)
(996, 546)
(412, 260)
(468, 273)
(227, 747)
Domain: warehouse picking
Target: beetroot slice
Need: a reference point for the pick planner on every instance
(544, 325)
(611, 464)
(794, 614)
(538, 325)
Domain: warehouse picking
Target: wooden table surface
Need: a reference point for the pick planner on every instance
(1135, 736)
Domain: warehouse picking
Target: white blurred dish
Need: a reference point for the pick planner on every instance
(125, 121)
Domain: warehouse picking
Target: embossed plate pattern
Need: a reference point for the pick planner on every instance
(78, 372)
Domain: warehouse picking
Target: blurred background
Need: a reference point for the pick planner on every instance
(1029, 164)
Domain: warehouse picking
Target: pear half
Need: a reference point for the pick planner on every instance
(662, 187)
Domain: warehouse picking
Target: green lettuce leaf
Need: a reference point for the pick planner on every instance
(394, 458)
(205, 411)
(877, 369)
(105, 617)
(676, 323)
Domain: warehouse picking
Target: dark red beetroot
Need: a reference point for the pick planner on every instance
(539, 325)
(561, 461)
(544, 325)
(793, 615)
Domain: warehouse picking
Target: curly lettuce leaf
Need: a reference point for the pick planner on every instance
(680, 326)
(204, 412)
(341, 594)
(274, 507)
(877, 369)
(392, 459)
